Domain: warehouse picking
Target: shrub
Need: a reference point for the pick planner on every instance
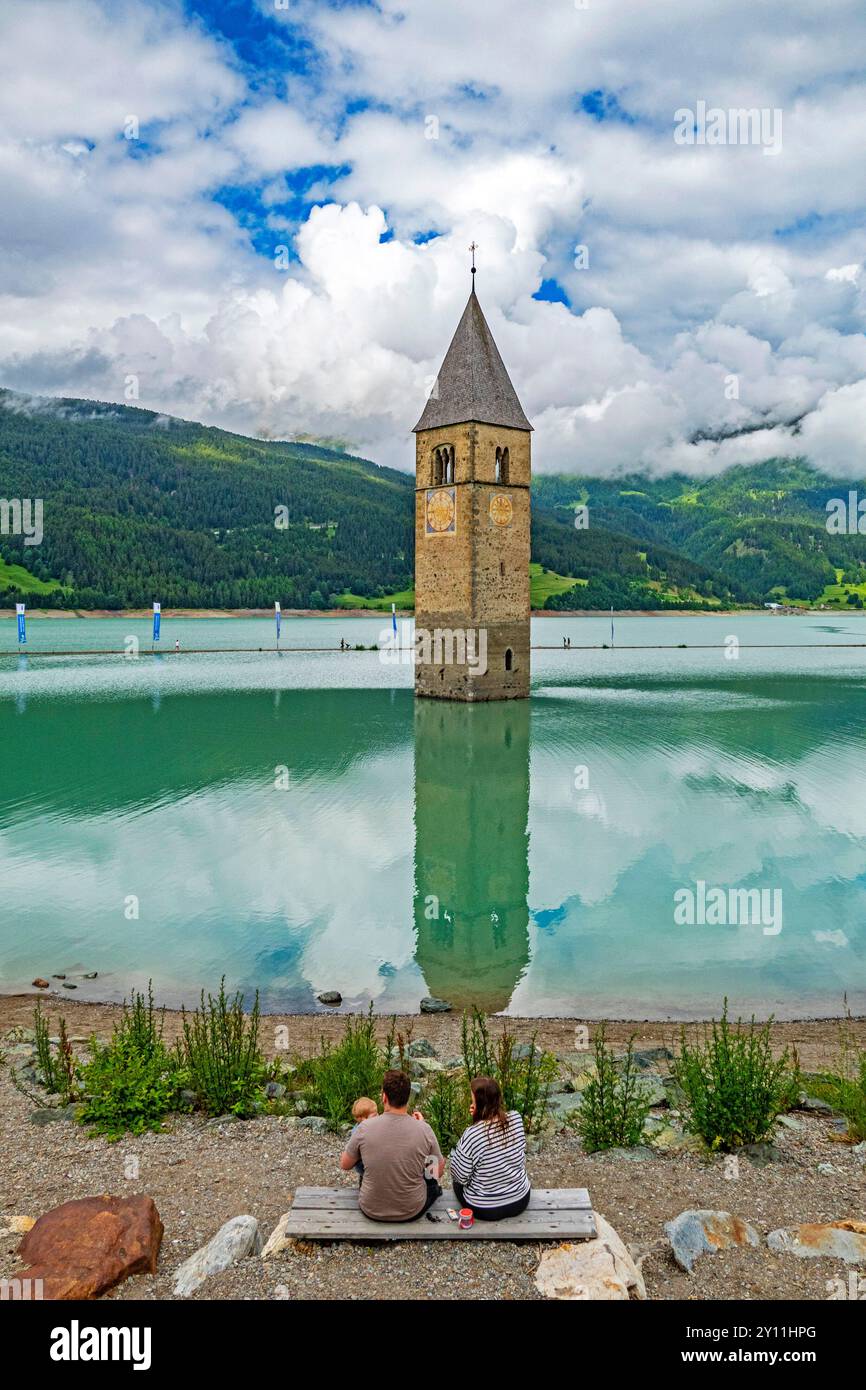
(354, 1067)
(446, 1107)
(614, 1102)
(140, 1023)
(476, 1045)
(132, 1082)
(397, 1045)
(733, 1087)
(525, 1072)
(525, 1077)
(56, 1071)
(220, 1056)
(845, 1087)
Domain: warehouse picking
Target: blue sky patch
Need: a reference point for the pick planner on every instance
(553, 293)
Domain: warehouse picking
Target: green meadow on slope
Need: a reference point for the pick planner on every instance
(18, 580)
(140, 506)
(542, 585)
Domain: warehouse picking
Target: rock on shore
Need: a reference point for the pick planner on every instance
(599, 1269)
(233, 1241)
(84, 1247)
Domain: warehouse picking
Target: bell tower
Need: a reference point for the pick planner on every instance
(472, 517)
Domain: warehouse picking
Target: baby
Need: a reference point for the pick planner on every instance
(363, 1109)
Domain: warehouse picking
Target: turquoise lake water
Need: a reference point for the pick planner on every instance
(297, 822)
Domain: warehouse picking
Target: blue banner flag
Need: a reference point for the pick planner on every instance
(157, 610)
(278, 616)
(22, 629)
(394, 618)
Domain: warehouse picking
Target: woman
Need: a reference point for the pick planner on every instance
(488, 1167)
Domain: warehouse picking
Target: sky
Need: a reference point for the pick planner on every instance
(257, 213)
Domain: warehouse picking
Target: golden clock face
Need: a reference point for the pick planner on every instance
(441, 512)
(501, 509)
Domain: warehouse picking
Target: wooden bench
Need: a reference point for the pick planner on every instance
(332, 1213)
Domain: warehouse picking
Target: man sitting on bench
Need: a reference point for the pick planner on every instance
(401, 1156)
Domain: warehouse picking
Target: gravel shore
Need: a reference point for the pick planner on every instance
(200, 1173)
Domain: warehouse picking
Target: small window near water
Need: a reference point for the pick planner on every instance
(509, 659)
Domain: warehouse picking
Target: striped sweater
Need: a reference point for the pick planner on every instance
(491, 1165)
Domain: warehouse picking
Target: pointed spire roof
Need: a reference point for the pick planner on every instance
(472, 382)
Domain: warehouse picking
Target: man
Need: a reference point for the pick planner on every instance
(395, 1148)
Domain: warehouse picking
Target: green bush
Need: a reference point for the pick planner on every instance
(219, 1054)
(55, 1069)
(340, 1074)
(131, 1082)
(476, 1045)
(446, 1107)
(525, 1072)
(734, 1089)
(397, 1045)
(614, 1104)
(844, 1087)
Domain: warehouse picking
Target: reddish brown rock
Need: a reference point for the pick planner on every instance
(701, 1232)
(843, 1240)
(39, 983)
(82, 1248)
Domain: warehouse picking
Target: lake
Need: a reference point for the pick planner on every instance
(297, 822)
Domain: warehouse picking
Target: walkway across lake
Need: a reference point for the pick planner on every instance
(360, 650)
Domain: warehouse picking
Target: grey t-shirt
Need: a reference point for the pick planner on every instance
(393, 1149)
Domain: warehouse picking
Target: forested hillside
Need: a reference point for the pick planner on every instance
(758, 533)
(140, 506)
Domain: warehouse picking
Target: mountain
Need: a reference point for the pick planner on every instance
(753, 534)
(138, 506)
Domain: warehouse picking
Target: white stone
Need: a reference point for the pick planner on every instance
(233, 1241)
(278, 1241)
(593, 1269)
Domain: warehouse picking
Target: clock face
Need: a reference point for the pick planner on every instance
(440, 512)
(501, 509)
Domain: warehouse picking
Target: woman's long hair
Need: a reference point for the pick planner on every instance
(488, 1103)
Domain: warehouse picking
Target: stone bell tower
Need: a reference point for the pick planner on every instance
(472, 474)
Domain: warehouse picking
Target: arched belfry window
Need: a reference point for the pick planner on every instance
(443, 465)
(501, 465)
(509, 659)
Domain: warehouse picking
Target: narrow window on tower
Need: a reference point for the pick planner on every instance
(498, 474)
(443, 465)
(509, 659)
(501, 569)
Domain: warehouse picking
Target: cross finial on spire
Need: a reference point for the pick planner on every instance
(473, 248)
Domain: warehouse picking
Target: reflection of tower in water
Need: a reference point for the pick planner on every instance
(471, 850)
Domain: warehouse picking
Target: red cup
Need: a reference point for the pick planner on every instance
(466, 1218)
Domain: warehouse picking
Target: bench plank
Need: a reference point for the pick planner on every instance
(346, 1198)
(333, 1214)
